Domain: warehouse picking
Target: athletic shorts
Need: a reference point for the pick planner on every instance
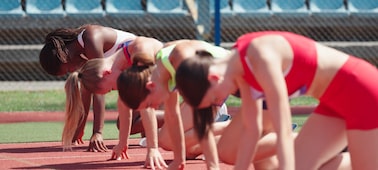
(353, 95)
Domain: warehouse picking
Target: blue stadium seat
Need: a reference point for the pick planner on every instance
(166, 7)
(327, 8)
(366, 8)
(251, 8)
(11, 8)
(291, 8)
(84, 8)
(124, 7)
(225, 7)
(44, 8)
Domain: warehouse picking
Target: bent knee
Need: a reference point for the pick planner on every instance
(164, 140)
(225, 156)
(165, 145)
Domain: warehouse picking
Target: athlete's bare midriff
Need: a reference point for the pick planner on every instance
(329, 61)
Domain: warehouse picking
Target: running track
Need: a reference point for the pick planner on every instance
(49, 155)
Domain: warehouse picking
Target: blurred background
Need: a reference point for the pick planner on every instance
(348, 25)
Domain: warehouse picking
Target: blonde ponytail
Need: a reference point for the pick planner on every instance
(74, 109)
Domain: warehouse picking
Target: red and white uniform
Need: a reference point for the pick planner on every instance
(352, 94)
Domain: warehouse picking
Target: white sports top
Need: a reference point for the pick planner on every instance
(122, 37)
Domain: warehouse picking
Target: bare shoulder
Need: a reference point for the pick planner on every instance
(175, 42)
(143, 39)
(269, 46)
(99, 32)
(190, 45)
(269, 40)
(146, 43)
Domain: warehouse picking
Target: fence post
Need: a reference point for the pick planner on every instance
(217, 23)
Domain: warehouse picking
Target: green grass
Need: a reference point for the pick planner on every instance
(300, 120)
(42, 100)
(49, 132)
(12, 101)
(55, 101)
(303, 100)
(52, 131)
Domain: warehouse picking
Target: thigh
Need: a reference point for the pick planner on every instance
(363, 148)
(320, 139)
(227, 147)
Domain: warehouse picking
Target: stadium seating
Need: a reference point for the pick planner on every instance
(165, 7)
(291, 8)
(364, 8)
(47, 8)
(84, 8)
(123, 8)
(251, 8)
(327, 8)
(11, 8)
(225, 7)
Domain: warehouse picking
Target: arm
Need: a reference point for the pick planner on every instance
(96, 143)
(251, 113)
(125, 120)
(95, 39)
(267, 64)
(98, 106)
(94, 46)
(210, 152)
(172, 118)
(150, 125)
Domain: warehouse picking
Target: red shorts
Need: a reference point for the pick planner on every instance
(353, 95)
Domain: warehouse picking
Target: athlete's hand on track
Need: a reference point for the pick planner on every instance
(119, 153)
(176, 165)
(96, 143)
(154, 159)
(78, 139)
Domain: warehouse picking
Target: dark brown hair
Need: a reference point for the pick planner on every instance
(54, 52)
(192, 83)
(131, 84)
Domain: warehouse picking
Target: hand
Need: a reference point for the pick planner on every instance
(154, 158)
(67, 149)
(176, 165)
(78, 141)
(96, 143)
(78, 138)
(119, 153)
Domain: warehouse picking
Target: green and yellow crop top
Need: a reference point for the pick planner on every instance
(164, 53)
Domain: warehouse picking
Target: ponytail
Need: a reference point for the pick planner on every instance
(192, 83)
(74, 109)
(202, 121)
